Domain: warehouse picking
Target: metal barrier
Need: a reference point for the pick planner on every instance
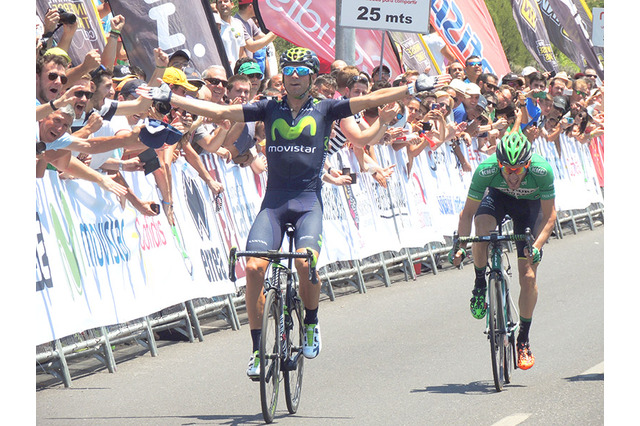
(53, 358)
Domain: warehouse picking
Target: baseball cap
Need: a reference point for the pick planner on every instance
(156, 133)
(194, 77)
(121, 72)
(176, 76)
(459, 86)
(528, 70)
(473, 89)
(562, 76)
(482, 102)
(511, 77)
(241, 2)
(560, 102)
(250, 68)
(58, 51)
(129, 87)
(180, 52)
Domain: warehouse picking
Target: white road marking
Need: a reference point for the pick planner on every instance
(512, 420)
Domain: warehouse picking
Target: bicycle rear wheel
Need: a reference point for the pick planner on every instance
(270, 350)
(495, 317)
(294, 364)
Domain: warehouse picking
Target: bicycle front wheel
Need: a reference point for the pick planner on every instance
(294, 360)
(495, 317)
(270, 350)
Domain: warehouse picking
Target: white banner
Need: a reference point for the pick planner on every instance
(99, 264)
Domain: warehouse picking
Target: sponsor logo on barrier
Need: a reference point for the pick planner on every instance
(214, 266)
(69, 247)
(196, 205)
(104, 243)
(150, 232)
(43, 272)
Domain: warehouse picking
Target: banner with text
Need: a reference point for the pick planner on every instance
(531, 25)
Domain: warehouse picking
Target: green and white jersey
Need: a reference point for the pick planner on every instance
(536, 185)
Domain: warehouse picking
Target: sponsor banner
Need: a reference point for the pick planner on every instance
(311, 24)
(531, 24)
(415, 53)
(99, 264)
(170, 25)
(574, 27)
(467, 28)
(89, 34)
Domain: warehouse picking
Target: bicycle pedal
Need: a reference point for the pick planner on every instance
(255, 378)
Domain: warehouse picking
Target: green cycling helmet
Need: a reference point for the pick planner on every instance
(514, 150)
(300, 56)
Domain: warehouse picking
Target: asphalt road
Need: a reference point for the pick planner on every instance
(407, 354)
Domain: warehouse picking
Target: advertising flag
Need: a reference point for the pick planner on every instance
(532, 28)
(569, 19)
(312, 24)
(89, 34)
(467, 28)
(170, 25)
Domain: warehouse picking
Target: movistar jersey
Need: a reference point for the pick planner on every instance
(296, 147)
(536, 185)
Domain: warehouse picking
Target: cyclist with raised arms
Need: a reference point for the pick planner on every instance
(520, 184)
(298, 128)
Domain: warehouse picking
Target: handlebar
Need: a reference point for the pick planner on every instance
(275, 256)
(494, 237)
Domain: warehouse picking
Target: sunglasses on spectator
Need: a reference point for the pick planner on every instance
(475, 64)
(80, 93)
(301, 71)
(518, 170)
(358, 79)
(255, 75)
(215, 81)
(591, 75)
(53, 76)
(579, 93)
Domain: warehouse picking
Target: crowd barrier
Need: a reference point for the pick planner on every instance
(106, 274)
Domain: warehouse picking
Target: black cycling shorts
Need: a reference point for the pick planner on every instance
(302, 209)
(524, 213)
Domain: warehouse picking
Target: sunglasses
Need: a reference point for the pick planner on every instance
(579, 93)
(215, 81)
(301, 71)
(475, 64)
(255, 75)
(518, 170)
(80, 93)
(357, 79)
(53, 76)
(591, 76)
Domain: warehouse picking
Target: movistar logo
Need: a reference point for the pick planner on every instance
(289, 133)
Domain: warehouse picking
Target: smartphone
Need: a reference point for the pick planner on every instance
(354, 178)
(346, 171)
(156, 208)
(540, 95)
(150, 160)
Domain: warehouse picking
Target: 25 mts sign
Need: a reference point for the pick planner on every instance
(410, 16)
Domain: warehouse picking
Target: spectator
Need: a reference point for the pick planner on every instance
(179, 59)
(275, 82)
(526, 73)
(231, 31)
(488, 82)
(255, 39)
(252, 70)
(342, 78)
(385, 75)
(324, 86)
(456, 70)
(473, 69)
(558, 84)
(241, 136)
(439, 50)
(513, 80)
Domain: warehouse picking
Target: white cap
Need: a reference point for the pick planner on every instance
(528, 70)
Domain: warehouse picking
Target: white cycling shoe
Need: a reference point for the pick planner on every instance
(312, 343)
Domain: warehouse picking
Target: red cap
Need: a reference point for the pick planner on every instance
(241, 2)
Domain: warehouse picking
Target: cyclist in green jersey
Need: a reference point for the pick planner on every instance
(518, 183)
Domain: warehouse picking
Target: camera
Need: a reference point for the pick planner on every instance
(67, 17)
(426, 126)
(162, 107)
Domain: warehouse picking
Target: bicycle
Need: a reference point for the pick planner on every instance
(503, 319)
(282, 326)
